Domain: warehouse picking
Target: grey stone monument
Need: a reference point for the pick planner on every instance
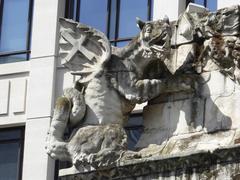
(189, 73)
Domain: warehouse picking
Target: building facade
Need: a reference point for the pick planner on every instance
(31, 77)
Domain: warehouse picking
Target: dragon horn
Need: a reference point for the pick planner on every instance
(166, 19)
(140, 23)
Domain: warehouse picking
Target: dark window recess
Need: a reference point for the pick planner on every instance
(15, 30)
(134, 129)
(11, 153)
(61, 165)
(117, 18)
(210, 4)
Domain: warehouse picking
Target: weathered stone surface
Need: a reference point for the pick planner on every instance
(92, 146)
(179, 57)
(111, 82)
(188, 70)
(212, 83)
(222, 164)
(190, 142)
(170, 119)
(166, 120)
(222, 112)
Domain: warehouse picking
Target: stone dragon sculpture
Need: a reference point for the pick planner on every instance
(111, 81)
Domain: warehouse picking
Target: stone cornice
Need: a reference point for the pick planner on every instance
(198, 162)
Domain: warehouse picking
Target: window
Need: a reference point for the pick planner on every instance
(117, 18)
(15, 28)
(210, 4)
(11, 153)
(134, 129)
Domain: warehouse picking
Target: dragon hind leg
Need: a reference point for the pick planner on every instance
(56, 147)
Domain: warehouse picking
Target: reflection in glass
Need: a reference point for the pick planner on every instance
(212, 5)
(201, 2)
(13, 58)
(14, 26)
(94, 13)
(134, 129)
(8, 135)
(133, 136)
(9, 155)
(113, 18)
(129, 10)
(122, 43)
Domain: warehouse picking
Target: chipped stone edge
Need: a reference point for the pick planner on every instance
(201, 159)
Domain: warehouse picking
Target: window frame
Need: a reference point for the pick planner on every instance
(192, 1)
(19, 140)
(205, 3)
(116, 38)
(27, 50)
(69, 13)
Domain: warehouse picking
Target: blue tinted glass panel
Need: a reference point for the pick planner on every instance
(113, 43)
(152, 3)
(14, 25)
(135, 120)
(212, 5)
(9, 155)
(13, 58)
(94, 13)
(8, 135)
(134, 129)
(122, 43)
(75, 9)
(133, 136)
(113, 19)
(129, 10)
(201, 2)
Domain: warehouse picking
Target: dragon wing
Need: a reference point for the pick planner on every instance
(83, 49)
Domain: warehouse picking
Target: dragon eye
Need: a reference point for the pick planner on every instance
(148, 29)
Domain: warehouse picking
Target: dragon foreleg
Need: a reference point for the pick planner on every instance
(144, 90)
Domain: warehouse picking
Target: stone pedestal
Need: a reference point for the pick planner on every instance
(187, 135)
(207, 118)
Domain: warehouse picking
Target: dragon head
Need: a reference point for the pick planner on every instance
(155, 38)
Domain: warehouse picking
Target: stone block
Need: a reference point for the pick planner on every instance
(4, 96)
(41, 87)
(162, 121)
(212, 83)
(179, 56)
(194, 8)
(168, 97)
(18, 95)
(152, 136)
(215, 83)
(229, 86)
(222, 112)
(64, 80)
(221, 164)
